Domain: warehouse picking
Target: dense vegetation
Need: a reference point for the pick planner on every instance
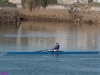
(37, 3)
(29, 4)
(90, 0)
(3, 1)
(44, 3)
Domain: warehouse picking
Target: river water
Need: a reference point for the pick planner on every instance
(34, 36)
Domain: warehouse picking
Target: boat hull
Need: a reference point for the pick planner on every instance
(49, 52)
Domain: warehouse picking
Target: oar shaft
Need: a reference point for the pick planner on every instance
(43, 50)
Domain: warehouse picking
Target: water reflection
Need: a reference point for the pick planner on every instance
(36, 36)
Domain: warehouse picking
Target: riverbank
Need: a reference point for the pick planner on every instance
(67, 14)
(9, 16)
(44, 15)
(80, 15)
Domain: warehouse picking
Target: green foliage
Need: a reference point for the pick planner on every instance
(44, 3)
(90, 0)
(52, 1)
(3, 1)
(37, 3)
(29, 4)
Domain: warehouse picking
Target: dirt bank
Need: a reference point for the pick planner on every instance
(61, 15)
(9, 16)
(44, 15)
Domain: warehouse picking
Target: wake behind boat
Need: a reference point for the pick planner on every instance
(57, 52)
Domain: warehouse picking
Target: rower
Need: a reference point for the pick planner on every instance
(56, 48)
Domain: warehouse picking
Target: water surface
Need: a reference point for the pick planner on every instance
(50, 64)
(33, 36)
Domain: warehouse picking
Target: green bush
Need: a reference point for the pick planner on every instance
(90, 0)
(44, 3)
(52, 1)
(3, 1)
(29, 4)
(37, 3)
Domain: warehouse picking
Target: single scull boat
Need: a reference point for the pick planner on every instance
(51, 52)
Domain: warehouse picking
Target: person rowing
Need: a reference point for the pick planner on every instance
(56, 48)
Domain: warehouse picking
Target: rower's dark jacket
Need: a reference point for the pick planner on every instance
(57, 47)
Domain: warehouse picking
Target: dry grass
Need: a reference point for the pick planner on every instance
(53, 13)
(90, 4)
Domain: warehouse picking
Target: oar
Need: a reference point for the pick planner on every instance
(44, 50)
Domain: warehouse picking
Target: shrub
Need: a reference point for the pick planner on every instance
(90, 0)
(29, 4)
(44, 3)
(3, 1)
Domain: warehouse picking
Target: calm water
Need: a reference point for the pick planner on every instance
(33, 36)
(50, 64)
